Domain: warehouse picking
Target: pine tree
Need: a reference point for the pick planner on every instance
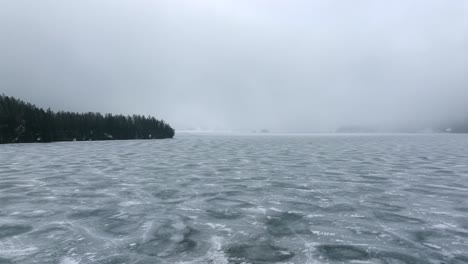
(22, 122)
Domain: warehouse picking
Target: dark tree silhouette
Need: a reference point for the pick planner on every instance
(22, 122)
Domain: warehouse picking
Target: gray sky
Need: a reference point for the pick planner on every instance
(285, 65)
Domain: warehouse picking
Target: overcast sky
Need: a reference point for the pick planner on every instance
(284, 65)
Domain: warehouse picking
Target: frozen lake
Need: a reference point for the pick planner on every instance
(387, 199)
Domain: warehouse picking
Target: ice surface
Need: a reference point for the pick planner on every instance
(237, 199)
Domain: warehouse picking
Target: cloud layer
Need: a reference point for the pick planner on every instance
(241, 64)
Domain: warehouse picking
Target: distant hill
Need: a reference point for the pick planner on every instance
(22, 122)
(453, 127)
(356, 129)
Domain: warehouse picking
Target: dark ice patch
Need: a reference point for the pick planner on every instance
(338, 208)
(258, 178)
(390, 257)
(87, 213)
(295, 205)
(459, 260)
(463, 223)
(286, 224)
(422, 236)
(224, 213)
(421, 191)
(343, 252)
(397, 218)
(5, 261)
(115, 260)
(233, 193)
(462, 209)
(9, 230)
(286, 185)
(12, 199)
(39, 193)
(166, 194)
(207, 194)
(6, 185)
(224, 169)
(334, 173)
(55, 180)
(373, 178)
(381, 205)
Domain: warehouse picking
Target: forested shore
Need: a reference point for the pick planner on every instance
(22, 122)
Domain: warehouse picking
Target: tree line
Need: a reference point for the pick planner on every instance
(22, 122)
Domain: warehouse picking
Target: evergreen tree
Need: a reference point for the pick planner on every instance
(22, 122)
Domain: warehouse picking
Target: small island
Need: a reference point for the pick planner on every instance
(22, 122)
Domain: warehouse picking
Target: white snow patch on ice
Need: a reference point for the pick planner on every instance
(67, 260)
(129, 203)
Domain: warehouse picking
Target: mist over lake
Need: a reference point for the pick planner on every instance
(233, 132)
(242, 65)
(220, 198)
